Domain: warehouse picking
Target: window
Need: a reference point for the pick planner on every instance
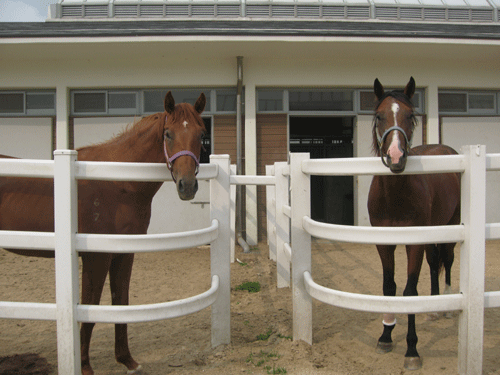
(12, 103)
(154, 99)
(122, 103)
(318, 100)
(226, 100)
(28, 103)
(452, 102)
(482, 103)
(89, 102)
(270, 100)
(468, 102)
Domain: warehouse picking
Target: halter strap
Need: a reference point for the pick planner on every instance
(170, 160)
(381, 139)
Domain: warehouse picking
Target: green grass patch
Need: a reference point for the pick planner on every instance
(250, 286)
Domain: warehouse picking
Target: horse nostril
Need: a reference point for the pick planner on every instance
(181, 185)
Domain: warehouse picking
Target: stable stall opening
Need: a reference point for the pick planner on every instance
(332, 198)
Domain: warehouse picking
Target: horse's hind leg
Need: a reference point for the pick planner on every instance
(386, 253)
(95, 269)
(119, 277)
(448, 256)
(433, 255)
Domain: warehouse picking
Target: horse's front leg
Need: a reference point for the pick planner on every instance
(94, 270)
(119, 277)
(415, 255)
(386, 253)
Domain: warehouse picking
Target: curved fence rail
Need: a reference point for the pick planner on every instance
(66, 170)
(471, 299)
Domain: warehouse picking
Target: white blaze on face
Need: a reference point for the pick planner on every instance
(394, 150)
(185, 123)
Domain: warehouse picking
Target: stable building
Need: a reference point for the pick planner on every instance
(306, 69)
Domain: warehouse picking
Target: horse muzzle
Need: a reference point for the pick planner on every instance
(187, 188)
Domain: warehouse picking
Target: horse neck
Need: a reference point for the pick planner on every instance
(140, 144)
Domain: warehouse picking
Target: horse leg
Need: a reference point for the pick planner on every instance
(448, 256)
(119, 277)
(94, 271)
(386, 253)
(415, 255)
(433, 255)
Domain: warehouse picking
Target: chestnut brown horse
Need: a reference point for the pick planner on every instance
(172, 137)
(409, 200)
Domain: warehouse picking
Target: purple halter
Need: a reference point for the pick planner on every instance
(170, 160)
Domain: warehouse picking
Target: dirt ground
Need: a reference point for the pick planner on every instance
(261, 323)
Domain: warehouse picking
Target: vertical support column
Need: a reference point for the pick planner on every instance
(282, 225)
(472, 261)
(62, 117)
(301, 248)
(271, 214)
(66, 262)
(251, 162)
(232, 213)
(432, 115)
(220, 250)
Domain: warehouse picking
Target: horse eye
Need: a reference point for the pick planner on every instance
(168, 135)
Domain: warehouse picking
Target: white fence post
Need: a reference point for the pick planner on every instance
(472, 261)
(301, 248)
(271, 214)
(282, 226)
(220, 250)
(66, 262)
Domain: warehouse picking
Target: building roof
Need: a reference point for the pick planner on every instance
(255, 28)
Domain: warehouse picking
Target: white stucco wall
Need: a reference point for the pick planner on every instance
(462, 131)
(28, 138)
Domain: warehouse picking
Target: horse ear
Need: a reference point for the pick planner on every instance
(169, 103)
(199, 106)
(410, 88)
(378, 89)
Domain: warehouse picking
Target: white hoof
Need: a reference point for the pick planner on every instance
(137, 371)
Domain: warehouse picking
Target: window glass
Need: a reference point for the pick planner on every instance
(91, 102)
(40, 101)
(452, 102)
(482, 101)
(226, 100)
(11, 102)
(122, 100)
(270, 100)
(316, 100)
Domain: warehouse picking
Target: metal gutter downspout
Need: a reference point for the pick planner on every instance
(239, 146)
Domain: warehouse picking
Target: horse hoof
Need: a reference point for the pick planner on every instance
(413, 363)
(137, 371)
(384, 347)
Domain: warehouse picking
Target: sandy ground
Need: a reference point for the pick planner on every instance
(344, 340)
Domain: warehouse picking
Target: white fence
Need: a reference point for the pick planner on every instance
(291, 183)
(471, 299)
(66, 170)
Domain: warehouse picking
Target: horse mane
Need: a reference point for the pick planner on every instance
(401, 97)
(133, 133)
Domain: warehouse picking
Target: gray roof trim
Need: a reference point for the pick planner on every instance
(250, 28)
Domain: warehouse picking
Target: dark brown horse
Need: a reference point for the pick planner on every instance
(409, 200)
(172, 137)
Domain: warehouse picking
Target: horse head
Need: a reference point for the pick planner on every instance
(182, 136)
(393, 125)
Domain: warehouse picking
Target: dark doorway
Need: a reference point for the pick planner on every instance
(332, 198)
